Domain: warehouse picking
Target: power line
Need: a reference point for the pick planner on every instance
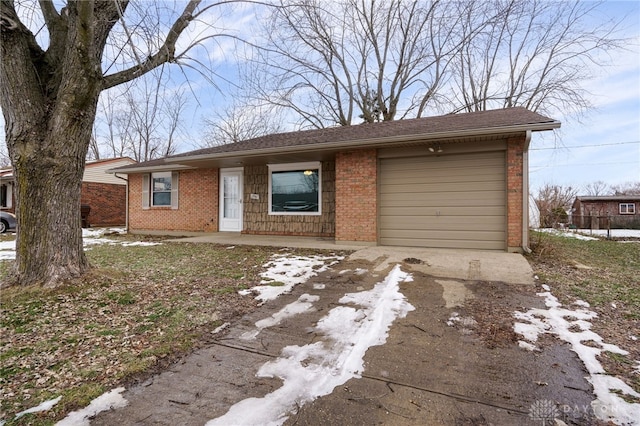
(586, 146)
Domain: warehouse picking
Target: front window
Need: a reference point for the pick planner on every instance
(627, 208)
(161, 189)
(295, 189)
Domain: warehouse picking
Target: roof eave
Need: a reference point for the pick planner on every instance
(369, 143)
(149, 169)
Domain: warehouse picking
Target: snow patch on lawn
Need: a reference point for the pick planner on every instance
(592, 234)
(106, 401)
(566, 234)
(284, 271)
(45, 406)
(314, 370)
(90, 237)
(574, 327)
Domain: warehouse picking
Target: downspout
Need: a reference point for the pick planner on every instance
(525, 193)
(126, 202)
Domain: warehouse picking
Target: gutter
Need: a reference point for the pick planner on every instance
(366, 143)
(525, 193)
(126, 202)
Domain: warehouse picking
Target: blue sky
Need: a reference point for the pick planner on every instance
(601, 145)
(604, 145)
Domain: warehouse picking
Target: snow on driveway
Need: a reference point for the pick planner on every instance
(284, 271)
(574, 327)
(310, 371)
(90, 237)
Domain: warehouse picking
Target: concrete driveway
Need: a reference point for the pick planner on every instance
(453, 360)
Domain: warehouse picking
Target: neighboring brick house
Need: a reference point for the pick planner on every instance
(104, 193)
(454, 181)
(600, 212)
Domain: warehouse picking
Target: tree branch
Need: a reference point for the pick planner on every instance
(166, 52)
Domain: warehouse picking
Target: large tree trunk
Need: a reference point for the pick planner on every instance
(49, 101)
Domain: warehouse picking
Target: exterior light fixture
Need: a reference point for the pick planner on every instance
(308, 172)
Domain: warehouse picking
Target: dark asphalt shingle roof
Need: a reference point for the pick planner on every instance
(453, 123)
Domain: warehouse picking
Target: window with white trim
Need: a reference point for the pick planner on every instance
(627, 208)
(160, 189)
(295, 189)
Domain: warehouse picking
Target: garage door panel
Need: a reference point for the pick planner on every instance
(443, 180)
(446, 243)
(487, 222)
(444, 162)
(422, 188)
(449, 201)
(403, 214)
(457, 235)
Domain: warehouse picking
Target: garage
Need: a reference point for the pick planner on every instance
(445, 201)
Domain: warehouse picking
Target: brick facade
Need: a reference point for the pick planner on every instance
(197, 204)
(349, 210)
(257, 219)
(515, 183)
(357, 196)
(107, 201)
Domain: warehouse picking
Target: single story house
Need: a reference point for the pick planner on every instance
(596, 212)
(104, 193)
(452, 181)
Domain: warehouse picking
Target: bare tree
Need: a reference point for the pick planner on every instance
(627, 188)
(330, 63)
(532, 53)
(240, 122)
(387, 60)
(553, 202)
(51, 76)
(597, 188)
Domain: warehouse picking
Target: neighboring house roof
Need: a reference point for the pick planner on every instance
(608, 198)
(96, 171)
(372, 135)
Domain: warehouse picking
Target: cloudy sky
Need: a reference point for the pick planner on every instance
(604, 145)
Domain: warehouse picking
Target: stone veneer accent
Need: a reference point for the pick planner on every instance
(257, 219)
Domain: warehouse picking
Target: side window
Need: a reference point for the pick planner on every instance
(627, 208)
(160, 189)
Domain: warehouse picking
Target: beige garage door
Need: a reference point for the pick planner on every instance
(449, 201)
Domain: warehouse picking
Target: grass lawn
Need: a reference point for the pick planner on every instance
(140, 309)
(606, 274)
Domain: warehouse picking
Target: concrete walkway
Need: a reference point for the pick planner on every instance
(449, 263)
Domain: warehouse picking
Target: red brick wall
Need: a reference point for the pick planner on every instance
(197, 204)
(515, 147)
(107, 201)
(356, 196)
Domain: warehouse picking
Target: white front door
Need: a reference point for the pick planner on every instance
(231, 199)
